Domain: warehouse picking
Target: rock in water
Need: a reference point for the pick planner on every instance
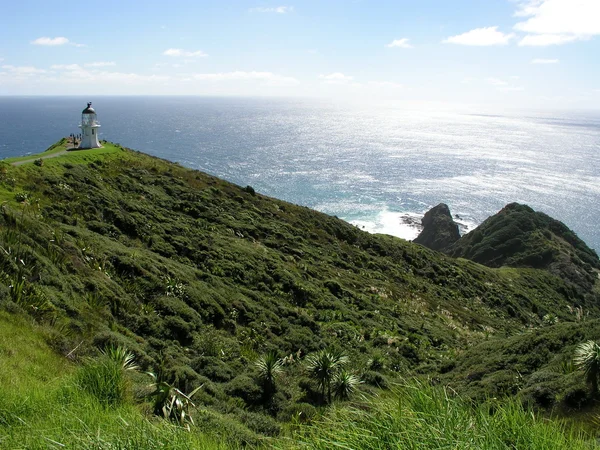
(439, 230)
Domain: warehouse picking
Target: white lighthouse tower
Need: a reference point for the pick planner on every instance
(89, 128)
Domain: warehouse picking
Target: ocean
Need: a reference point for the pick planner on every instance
(378, 168)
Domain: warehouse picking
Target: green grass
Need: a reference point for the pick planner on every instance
(51, 165)
(43, 405)
(72, 156)
(25, 358)
(419, 416)
(53, 149)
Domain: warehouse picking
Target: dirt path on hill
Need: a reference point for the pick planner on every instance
(53, 155)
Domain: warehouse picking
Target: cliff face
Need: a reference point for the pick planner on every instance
(439, 230)
(518, 236)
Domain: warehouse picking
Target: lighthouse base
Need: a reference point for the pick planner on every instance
(89, 138)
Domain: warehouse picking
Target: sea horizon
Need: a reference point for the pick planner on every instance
(372, 166)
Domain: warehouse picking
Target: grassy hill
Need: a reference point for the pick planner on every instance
(200, 279)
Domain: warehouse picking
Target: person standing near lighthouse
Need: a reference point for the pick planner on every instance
(89, 128)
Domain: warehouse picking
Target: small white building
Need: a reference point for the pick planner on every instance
(89, 128)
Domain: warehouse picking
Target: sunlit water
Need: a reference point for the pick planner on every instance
(366, 165)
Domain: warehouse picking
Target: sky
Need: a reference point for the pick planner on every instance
(529, 53)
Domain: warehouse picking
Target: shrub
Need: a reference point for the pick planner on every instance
(245, 388)
(298, 412)
(21, 197)
(576, 398)
(259, 423)
(212, 368)
(39, 162)
(375, 379)
(542, 396)
(182, 377)
(3, 168)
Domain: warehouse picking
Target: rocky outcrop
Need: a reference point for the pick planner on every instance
(518, 236)
(439, 230)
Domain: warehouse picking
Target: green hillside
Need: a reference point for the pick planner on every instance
(201, 279)
(519, 237)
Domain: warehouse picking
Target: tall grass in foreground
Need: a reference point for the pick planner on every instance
(104, 379)
(418, 416)
(83, 423)
(48, 403)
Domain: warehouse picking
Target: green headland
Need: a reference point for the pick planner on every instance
(147, 305)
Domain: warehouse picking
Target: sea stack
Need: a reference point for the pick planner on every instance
(439, 229)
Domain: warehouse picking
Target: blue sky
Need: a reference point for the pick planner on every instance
(538, 53)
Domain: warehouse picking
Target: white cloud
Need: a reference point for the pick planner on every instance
(177, 52)
(578, 17)
(401, 43)
(515, 77)
(542, 40)
(555, 22)
(23, 70)
(81, 75)
(50, 41)
(74, 78)
(480, 37)
(65, 67)
(75, 74)
(504, 86)
(121, 77)
(53, 42)
(267, 77)
(336, 76)
(544, 61)
(496, 82)
(100, 64)
(277, 9)
(511, 88)
(385, 84)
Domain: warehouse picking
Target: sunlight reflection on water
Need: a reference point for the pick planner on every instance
(368, 166)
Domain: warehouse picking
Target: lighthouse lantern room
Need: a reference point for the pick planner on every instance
(89, 128)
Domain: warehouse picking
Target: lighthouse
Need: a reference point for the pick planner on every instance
(89, 128)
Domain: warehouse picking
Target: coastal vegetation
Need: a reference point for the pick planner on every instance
(147, 305)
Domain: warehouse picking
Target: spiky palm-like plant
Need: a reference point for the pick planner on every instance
(323, 367)
(587, 358)
(121, 355)
(269, 366)
(171, 403)
(344, 384)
